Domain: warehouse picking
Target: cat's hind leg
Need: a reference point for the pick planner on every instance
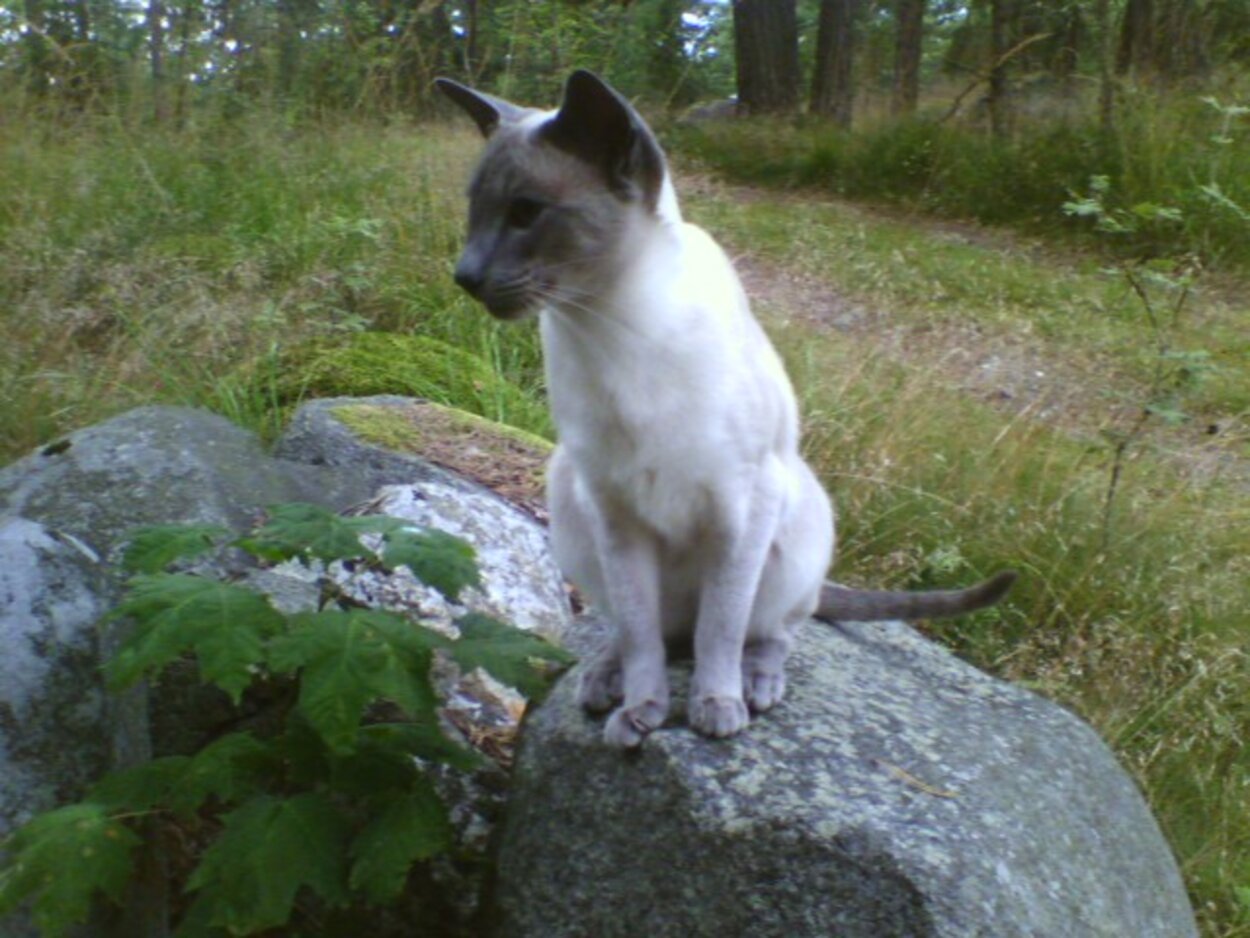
(602, 686)
(764, 672)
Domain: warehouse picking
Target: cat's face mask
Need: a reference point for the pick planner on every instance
(553, 195)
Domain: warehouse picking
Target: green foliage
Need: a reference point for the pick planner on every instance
(407, 826)
(269, 847)
(61, 859)
(333, 802)
(503, 651)
(224, 625)
(347, 659)
(303, 530)
(157, 546)
(438, 559)
(1172, 166)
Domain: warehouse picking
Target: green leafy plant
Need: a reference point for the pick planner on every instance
(1162, 287)
(333, 804)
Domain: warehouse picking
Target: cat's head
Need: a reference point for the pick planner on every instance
(555, 195)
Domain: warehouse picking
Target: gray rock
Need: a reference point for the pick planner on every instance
(52, 699)
(521, 583)
(156, 465)
(316, 437)
(897, 791)
(59, 729)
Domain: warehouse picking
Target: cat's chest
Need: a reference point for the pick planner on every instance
(651, 434)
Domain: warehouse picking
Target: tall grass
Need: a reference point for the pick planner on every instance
(1144, 636)
(1179, 150)
(155, 266)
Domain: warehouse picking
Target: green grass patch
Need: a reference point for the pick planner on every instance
(1177, 150)
(184, 266)
(924, 274)
(1143, 635)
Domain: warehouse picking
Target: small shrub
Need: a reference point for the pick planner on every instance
(333, 804)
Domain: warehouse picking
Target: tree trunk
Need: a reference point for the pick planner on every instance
(288, 50)
(833, 93)
(1065, 63)
(470, 45)
(1106, 89)
(38, 59)
(766, 40)
(156, 50)
(999, 107)
(1136, 37)
(908, 39)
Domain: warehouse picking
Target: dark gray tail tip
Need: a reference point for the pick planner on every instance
(996, 587)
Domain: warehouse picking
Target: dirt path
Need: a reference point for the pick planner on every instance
(1017, 377)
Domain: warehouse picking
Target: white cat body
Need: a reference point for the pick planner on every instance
(679, 502)
(669, 391)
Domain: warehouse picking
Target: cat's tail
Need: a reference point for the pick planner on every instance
(842, 604)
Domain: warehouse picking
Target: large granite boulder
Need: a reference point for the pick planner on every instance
(896, 792)
(66, 509)
(52, 699)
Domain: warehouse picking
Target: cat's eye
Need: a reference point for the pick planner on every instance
(523, 212)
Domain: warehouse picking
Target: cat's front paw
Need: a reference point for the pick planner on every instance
(717, 715)
(627, 727)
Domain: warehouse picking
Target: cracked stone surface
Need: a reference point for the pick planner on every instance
(895, 791)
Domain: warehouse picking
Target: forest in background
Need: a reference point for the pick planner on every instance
(199, 201)
(776, 56)
(996, 110)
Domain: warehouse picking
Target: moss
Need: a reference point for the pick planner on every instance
(371, 363)
(503, 458)
(386, 427)
(409, 429)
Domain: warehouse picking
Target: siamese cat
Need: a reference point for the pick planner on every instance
(679, 502)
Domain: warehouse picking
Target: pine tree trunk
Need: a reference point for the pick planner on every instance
(156, 51)
(766, 40)
(1136, 37)
(1106, 88)
(999, 107)
(833, 93)
(907, 47)
(38, 61)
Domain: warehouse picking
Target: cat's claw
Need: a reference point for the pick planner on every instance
(718, 716)
(600, 687)
(627, 727)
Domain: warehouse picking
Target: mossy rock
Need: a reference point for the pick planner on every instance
(373, 363)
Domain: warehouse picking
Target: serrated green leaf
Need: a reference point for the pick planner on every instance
(425, 739)
(298, 529)
(406, 827)
(230, 769)
(436, 558)
(155, 546)
(222, 624)
(60, 860)
(506, 652)
(349, 658)
(267, 850)
(140, 788)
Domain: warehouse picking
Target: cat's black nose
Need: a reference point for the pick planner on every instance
(470, 279)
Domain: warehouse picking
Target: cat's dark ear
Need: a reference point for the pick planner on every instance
(599, 126)
(487, 111)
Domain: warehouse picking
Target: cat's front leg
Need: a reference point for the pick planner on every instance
(727, 595)
(629, 561)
